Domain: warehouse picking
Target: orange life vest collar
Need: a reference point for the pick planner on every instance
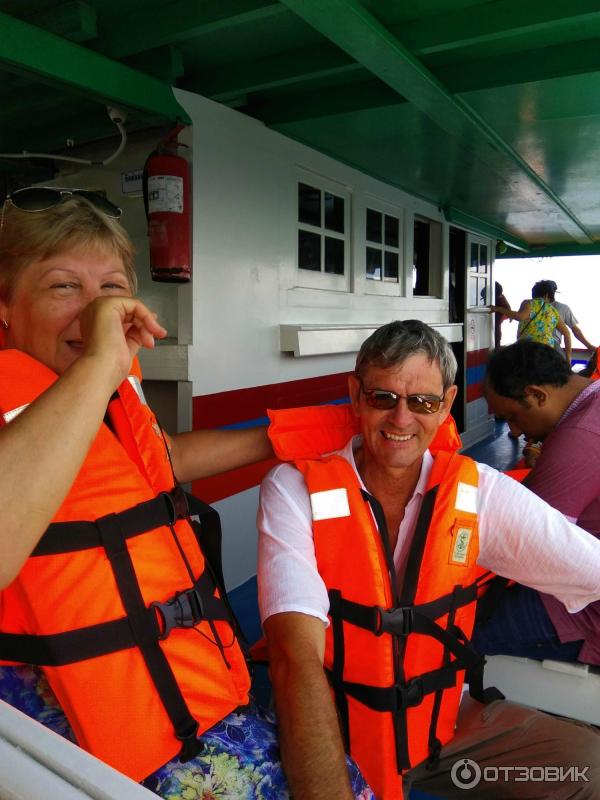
(397, 656)
(104, 601)
(311, 431)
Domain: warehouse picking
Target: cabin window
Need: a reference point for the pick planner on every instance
(479, 287)
(321, 241)
(323, 236)
(382, 257)
(427, 257)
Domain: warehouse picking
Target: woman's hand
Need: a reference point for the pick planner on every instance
(113, 330)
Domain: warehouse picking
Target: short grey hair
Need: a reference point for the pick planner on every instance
(393, 343)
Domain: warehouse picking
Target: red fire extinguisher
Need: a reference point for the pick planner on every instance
(166, 184)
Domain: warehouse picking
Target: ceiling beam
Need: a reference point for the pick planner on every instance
(482, 73)
(494, 22)
(73, 20)
(326, 102)
(165, 63)
(551, 250)
(307, 64)
(58, 62)
(296, 66)
(526, 66)
(458, 217)
(352, 28)
(180, 21)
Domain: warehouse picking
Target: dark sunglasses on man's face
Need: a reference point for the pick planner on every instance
(41, 198)
(417, 403)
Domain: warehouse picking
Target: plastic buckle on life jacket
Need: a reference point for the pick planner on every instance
(183, 610)
(409, 694)
(176, 503)
(398, 621)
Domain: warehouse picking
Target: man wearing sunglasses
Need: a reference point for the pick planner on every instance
(371, 560)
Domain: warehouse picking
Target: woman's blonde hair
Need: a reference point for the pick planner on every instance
(74, 223)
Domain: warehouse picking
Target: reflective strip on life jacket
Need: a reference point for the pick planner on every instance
(8, 416)
(135, 382)
(133, 379)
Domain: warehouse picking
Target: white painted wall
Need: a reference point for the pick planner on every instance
(245, 230)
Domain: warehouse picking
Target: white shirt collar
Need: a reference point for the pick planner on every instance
(426, 464)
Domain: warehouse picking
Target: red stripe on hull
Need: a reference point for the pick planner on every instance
(227, 408)
(474, 391)
(239, 405)
(476, 358)
(229, 483)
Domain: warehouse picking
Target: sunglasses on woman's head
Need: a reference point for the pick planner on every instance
(383, 400)
(41, 198)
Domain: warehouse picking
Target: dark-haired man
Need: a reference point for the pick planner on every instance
(532, 387)
(368, 563)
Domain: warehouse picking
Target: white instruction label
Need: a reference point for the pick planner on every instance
(165, 193)
(131, 182)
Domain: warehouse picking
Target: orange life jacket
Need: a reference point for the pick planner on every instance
(117, 601)
(396, 657)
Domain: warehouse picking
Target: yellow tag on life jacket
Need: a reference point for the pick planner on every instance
(461, 542)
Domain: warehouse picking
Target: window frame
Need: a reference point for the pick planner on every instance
(392, 288)
(480, 273)
(436, 257)
(311, 279)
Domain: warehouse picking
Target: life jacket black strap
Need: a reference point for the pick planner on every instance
(399, 620)
(476, 689)
(58, 649)
(206, 524)
(185, 610)
(144, 626)
(337, 668)
(68, 537)
(452, 638)
(185, 726)
(402, 696)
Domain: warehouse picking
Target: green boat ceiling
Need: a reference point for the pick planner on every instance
(488, 108)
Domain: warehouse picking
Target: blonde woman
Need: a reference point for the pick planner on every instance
(104, 583)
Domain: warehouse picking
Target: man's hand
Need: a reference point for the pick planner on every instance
(311, 743)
